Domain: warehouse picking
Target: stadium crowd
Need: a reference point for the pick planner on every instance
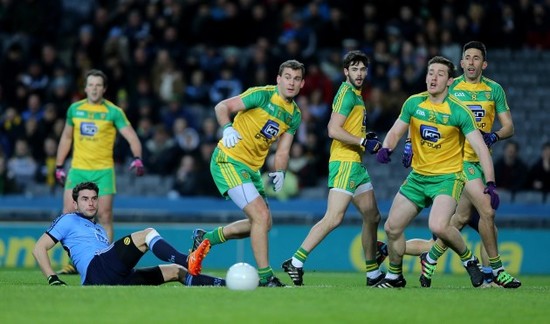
(170, 61)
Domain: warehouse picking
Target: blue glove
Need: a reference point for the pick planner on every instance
(490, 138)
(371, 143)
(491, 190)
(383, 155)
(407, 154)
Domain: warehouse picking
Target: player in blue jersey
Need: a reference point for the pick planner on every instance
(101, 263)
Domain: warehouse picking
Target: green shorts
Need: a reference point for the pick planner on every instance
(229, 173)
(422, 190)
(347, 175)
(473, 170)
(105, 179)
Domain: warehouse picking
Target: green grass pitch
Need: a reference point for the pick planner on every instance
(328, 297)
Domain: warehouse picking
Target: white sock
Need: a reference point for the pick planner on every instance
(297, 263)
(374, 274)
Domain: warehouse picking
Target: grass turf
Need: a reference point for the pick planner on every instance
(328, 297)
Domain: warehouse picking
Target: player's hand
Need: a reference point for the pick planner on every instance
(54, 280)
(137, 166)
(371, 143)
(407, 154)
(60, 175)
(490, 138)
(278, 179)
(491, 190)
(230, 136)
(383, 155)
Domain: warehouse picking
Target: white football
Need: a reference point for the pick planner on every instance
(242, 276)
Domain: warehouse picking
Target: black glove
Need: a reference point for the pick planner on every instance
(54, 280)
(371, 143)
(490, 138)
(407, 154)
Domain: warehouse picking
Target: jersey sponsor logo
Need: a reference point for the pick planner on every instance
(429, 133)
(270, 129)
(478, 112)
(88, 129)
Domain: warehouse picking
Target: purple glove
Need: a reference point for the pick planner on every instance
(138, 166)
(491, 190)
(371, 143)
(60, 175)
(383, 155)
(489, 138)
(407, 154)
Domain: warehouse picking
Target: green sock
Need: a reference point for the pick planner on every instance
(215, 236)
(436, 251)
(466, 255)
(371, 265)
(395, 269)
(301, 254)
(495, 262)
(265, 274)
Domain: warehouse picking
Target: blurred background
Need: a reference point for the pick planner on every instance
(170, 61)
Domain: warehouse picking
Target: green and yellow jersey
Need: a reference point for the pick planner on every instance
(266, 117)
(349, 102)
(94, 132)
(437, 133)
(485, 99)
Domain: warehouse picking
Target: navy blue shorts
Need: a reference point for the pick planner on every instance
(115, 266)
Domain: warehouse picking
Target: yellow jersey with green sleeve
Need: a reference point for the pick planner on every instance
(266, 117)
(485, 99)
(95, 127)
(349, 102)
(437, 133)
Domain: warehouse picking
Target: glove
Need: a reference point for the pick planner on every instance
(371, 143)
(137, 164)
(278, 179)
(53, 280)
(407, 154)
(383, 155)
(491, 190)
(60, 175)
(490, 138)
(230, 136)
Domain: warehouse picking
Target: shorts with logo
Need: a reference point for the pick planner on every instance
(347, 175)
(473, 170)
(422, 189)
(229, 173)
(105, 179)
(114, 265)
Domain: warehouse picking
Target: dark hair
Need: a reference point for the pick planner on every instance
(354, 57)
(294, 65)
(477, 45)
(445, 61)
(97, 73)
(84, 186)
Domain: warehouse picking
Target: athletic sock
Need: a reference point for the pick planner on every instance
(466, 256)
(300, 257)
(394, 271)
(436, 252)
(166, 252)
(496, 265)
(265, 274)
(372, 268)
(203, 280)
(215, 236)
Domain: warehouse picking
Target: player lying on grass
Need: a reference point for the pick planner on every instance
(101, 263)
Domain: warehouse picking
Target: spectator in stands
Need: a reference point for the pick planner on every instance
(187, 181)
(46, 166)
(510, 168)
(21, 166)
(538, 177)
(160, 152)
(7, 181)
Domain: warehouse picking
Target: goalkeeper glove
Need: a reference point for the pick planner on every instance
(54, 280)
(278, 179)
(230, 136)
(407, 154)
(137, 164)
(371, 143)
(490, 138)
(491, 190)
(60, 175)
